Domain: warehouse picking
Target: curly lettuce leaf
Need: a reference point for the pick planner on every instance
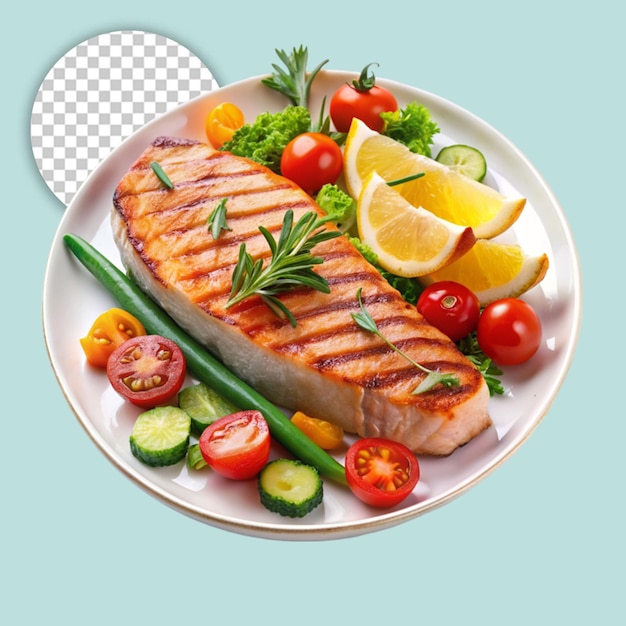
(338, 205)
(411, 126)
(265, 139)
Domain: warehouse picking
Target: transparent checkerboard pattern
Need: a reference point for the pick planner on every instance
(101, 92)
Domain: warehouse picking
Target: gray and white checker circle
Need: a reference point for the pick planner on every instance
(101, 92)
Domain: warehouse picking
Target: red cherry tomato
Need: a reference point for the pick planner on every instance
(380, 472)
(147, 370)
(451, 307)
(362, 99)
(312, 160)
(509, 331)
(237, 446)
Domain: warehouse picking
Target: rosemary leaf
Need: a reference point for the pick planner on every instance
(161, 175)
(217, 220)
(406, 179)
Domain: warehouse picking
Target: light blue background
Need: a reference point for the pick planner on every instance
(539, 541)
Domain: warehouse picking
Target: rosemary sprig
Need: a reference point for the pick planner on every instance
(290, 267)
(216, 222)
(365, 321)
(294, 83)
(161, 175)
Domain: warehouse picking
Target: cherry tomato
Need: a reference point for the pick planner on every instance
(221, 123)
(509, 331)
(237, 446)
(147, 370)
(109, 330)
(326, 435)
(362, 99)
(380, 472)
(451, 307)
(312, 160)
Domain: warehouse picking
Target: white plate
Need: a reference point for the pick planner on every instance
(73, 299)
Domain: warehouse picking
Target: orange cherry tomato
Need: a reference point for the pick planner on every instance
(222, 122)
(111, 329)
(326, 435)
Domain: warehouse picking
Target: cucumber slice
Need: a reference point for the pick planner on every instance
(464, 159)
(195, 460)
(160, 436)
(203, 405)
(290, 488)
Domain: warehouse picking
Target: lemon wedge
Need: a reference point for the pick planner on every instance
(442, 190)
(494, 270)
(409, 241)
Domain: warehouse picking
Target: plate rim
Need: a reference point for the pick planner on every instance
(306, 531)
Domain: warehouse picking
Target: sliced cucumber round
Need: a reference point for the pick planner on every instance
(290, 488)
(160, 436)
(464, 159)
(203, 405)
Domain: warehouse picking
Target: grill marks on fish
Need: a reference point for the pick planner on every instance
(171, 230)
(168, 229)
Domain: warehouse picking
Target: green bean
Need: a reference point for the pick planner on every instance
(200, 362)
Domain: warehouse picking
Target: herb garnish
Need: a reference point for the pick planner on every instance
(290, 267)
(406, 179)
(216, 222)
(294, 83)
(490, 372)
(365, 321)
(161, 175)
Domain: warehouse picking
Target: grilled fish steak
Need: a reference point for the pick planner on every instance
(326, 366)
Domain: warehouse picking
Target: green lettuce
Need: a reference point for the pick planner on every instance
(409, 288)
(265, 139)
(411, 126)
(336, 203)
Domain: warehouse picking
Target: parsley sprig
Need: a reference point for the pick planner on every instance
(365, 321)
(290, 267)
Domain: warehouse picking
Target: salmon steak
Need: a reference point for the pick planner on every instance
(326, 365)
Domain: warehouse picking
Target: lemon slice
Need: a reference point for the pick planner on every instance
(409, 241)
(445, 192)
(494, 270)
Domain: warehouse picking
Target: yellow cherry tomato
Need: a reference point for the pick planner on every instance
(222, 122)
(111, 329)
(326, 435)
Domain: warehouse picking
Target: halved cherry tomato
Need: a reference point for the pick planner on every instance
(110, 329)
(326, 435)
(221, 123)
(451, 307)
(237, 446)
(362, 99)
(380, 472)
(509, 331)
(148, 370)
(312, 160)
